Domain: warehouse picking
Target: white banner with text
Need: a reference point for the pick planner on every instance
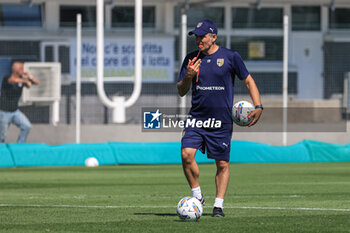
(119, 59)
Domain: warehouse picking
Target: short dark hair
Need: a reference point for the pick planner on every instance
(15, 61)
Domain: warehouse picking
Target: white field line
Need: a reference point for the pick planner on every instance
(157, 207)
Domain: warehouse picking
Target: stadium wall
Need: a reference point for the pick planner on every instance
(114, 153)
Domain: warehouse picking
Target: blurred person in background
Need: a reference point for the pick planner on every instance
(11, 91)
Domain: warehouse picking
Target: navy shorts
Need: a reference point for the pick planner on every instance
(216, 141)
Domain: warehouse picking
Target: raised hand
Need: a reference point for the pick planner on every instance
(193, 67)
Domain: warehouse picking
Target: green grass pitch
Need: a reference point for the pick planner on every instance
(308, 197)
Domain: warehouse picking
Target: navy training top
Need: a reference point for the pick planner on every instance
(212, 95)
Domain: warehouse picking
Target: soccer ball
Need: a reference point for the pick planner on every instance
(91, 162)
(189, 209)
(240, 113)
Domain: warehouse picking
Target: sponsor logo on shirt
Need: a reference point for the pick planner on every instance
(220, 62)
(210, 88)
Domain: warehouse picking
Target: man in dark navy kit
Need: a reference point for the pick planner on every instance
(211, 71)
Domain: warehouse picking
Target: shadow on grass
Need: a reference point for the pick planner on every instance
(163, 214)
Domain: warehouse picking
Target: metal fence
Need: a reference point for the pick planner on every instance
(336, 57)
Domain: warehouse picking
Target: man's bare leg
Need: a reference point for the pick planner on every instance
(190, 166)
(221, 179)
(191, 171)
